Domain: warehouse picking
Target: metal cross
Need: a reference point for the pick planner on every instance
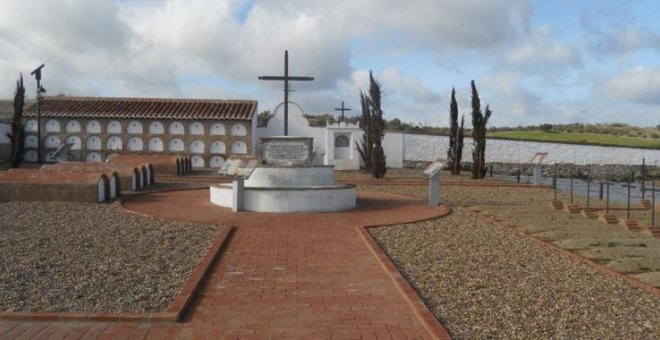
(286, 78)
(342, 109)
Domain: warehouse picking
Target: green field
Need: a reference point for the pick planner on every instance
(578, 138)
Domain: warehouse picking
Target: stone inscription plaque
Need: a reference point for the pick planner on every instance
(286, 151)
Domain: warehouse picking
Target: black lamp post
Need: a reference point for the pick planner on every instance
(37, 74)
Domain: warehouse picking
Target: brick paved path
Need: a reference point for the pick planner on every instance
(282, 276)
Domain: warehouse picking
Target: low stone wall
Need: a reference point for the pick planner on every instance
(616, 172)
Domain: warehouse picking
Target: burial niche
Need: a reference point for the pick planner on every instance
(52, 142)
(93, 143)
(72, 126)
(52, 125)
(197, 161)
(175, 145)
(216, 161)
(93, 126)
(217, 147)
(197, 129)
(217, 129)
(31, 125)
(238, 129)
(197, 146)
(176, 128)
(156, 144)
(94, 157)
(31, 141)
(135, 144)
(134, 128)
(156, 128)
(113, 127)
(114, 143)
(75, 141)
(239, 147)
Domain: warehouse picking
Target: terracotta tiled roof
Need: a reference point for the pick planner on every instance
(141, 108)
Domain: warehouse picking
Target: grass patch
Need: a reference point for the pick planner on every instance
(578, 138)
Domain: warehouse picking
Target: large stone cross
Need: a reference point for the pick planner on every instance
(286, 78)
(342, 109)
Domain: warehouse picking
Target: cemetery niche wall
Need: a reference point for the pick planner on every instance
(100, 127)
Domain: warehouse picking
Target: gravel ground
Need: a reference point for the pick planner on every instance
(78, 257)
(467, 196)
(482, 281)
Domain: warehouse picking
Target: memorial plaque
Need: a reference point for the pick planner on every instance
(434, 168)
(539, 157)
(287, 151)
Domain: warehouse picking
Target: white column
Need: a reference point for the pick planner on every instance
(434, 189)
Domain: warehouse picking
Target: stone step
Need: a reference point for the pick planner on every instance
(573, 208)
(609, 219)
(631, 225)
(646, 203)
(558, 205)
(655, 232)
(592, 215)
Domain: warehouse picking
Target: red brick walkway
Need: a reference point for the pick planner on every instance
(282, 276)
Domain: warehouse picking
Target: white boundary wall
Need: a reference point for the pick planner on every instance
(428, 148)
(400, 147)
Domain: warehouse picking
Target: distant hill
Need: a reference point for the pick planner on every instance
(613, 129)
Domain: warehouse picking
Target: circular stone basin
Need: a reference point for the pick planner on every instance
(288, 199)
(291, 176)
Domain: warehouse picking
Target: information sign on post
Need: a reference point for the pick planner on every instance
(537, 161)
(433, 174)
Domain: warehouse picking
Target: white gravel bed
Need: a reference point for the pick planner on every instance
(484, 282)
(79, 257)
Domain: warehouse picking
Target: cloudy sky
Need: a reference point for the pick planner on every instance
(554, 61)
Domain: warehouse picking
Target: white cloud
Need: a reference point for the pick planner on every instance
(541, 53)
(508, 98)
(638, 85)
(612, 33)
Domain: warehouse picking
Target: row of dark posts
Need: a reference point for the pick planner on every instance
(604, 188)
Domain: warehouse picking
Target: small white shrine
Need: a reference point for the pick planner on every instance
(340, 146)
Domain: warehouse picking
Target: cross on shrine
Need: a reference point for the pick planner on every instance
(342, 109)
(286, 78)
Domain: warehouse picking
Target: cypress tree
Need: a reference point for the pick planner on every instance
(378, 166)
(479, 122)
(456, 169)
(16, 136)
(455, 151)
(365, 146)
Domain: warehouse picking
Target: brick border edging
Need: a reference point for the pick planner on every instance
(173, 313)
(543, 243)
(423, 314)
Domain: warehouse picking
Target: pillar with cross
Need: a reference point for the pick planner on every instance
(342, 109)
(286, 78)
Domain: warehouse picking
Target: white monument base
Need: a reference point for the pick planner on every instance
(288, 182)
(288, 199)
(295, 176)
